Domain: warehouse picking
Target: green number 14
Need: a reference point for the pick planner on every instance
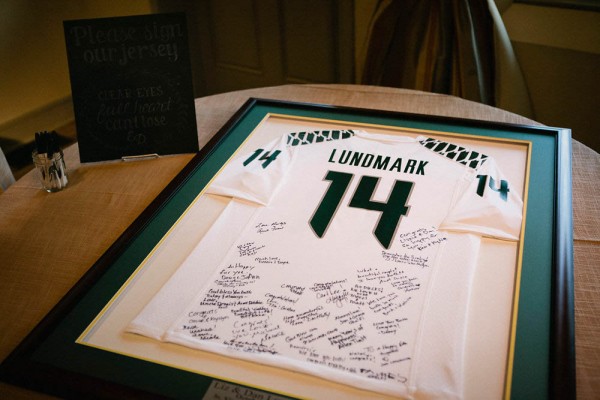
(391, 210)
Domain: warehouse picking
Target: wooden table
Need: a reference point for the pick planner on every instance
(74, 227)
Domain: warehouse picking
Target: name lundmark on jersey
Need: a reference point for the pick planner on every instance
(368, 160)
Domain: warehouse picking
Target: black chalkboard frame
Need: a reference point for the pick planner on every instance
(131, 83)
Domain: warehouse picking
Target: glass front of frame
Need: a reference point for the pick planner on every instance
(508, 294)
(488, 327)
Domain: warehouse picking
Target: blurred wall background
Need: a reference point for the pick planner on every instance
(558, 50)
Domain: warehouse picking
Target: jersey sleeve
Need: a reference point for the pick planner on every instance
(488, 206)
(254, 176)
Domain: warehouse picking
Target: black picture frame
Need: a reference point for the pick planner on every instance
(534, 375)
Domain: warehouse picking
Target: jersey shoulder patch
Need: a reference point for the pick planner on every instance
(304, 138)
(470, 158)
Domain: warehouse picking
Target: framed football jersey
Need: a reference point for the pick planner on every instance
(312, 251)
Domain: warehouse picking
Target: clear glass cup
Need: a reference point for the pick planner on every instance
(51, 170)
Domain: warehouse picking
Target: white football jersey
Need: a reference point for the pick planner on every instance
(358, 249)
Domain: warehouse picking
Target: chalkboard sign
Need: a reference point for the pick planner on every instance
(131, 83)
